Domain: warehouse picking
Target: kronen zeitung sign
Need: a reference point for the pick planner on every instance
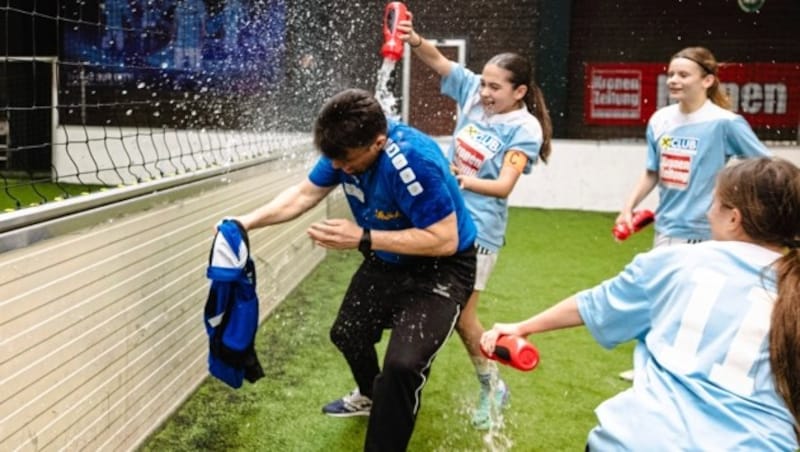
(766, 94)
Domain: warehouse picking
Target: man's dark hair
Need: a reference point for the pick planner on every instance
(352, 118)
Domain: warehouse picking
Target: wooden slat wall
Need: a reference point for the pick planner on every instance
(101, 333)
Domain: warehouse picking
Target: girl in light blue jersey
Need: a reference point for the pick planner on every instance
(717, 325)
(503, 128)
(688, 143)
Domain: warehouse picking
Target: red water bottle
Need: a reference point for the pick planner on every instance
(392, 45)
(640, 219)
(514, 351)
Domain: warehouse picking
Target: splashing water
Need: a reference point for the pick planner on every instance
(383, 92)
(495, 439)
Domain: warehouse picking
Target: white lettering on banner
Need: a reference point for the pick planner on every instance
(615, 83)
(768, 98)
(616, 94)
(101, 78)
(750, 98)
(615, 99)
(618, 114)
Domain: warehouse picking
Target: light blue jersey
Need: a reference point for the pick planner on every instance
(687, 152)
(703, 379)
(479, 146)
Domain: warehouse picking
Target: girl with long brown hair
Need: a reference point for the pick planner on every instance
(688, 143)
(717, 326)
(502, 130)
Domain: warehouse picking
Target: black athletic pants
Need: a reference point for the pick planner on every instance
(420, 303)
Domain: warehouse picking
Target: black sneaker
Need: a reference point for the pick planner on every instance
(353, 404)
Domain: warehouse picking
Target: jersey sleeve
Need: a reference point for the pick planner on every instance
(618, 309)
(324, 174)
(652, 150)
(742, 142)
(527, 140)
(459, 84)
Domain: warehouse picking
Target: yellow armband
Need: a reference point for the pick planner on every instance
(516, 160)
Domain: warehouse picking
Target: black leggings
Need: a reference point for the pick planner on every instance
(420, 303)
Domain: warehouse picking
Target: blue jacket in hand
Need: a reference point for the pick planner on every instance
(231, 311)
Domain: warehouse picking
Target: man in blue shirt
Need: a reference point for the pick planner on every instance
(419, 257)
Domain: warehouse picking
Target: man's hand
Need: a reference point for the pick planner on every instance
(219, 223)
(336, 234)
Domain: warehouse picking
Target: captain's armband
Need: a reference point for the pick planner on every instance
(516, 160)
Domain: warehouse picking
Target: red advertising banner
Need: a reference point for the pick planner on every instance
(766, 94)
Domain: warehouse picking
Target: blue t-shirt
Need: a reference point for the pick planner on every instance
(687, 152)
(703, 380)
(408, 186)
(479, 147)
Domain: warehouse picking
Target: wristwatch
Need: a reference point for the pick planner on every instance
(365, 244)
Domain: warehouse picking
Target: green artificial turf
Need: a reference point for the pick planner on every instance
(18, 194)
(550, 254)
